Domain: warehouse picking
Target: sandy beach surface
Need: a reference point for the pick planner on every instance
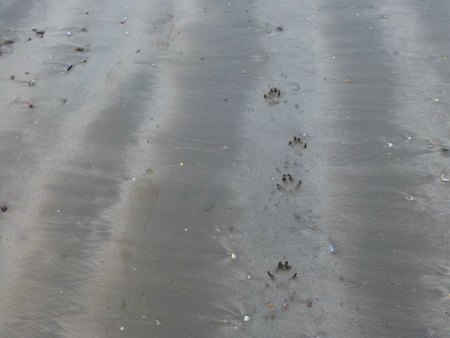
(151, 181)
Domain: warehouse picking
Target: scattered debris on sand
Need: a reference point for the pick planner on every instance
(444, 178)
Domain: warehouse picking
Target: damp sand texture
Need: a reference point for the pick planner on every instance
(224, 169)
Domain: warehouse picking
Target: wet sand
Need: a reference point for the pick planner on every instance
(144, 185)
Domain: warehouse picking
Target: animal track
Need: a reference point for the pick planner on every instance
(284, 267)
(296, 140)
(287, 178)
(273, 96)
(298, 144)
(281, 267)
(286, 186)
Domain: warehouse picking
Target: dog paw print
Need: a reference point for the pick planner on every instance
(298, 144)
(272, 97)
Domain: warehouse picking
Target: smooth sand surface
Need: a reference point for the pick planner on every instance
(141, 184)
